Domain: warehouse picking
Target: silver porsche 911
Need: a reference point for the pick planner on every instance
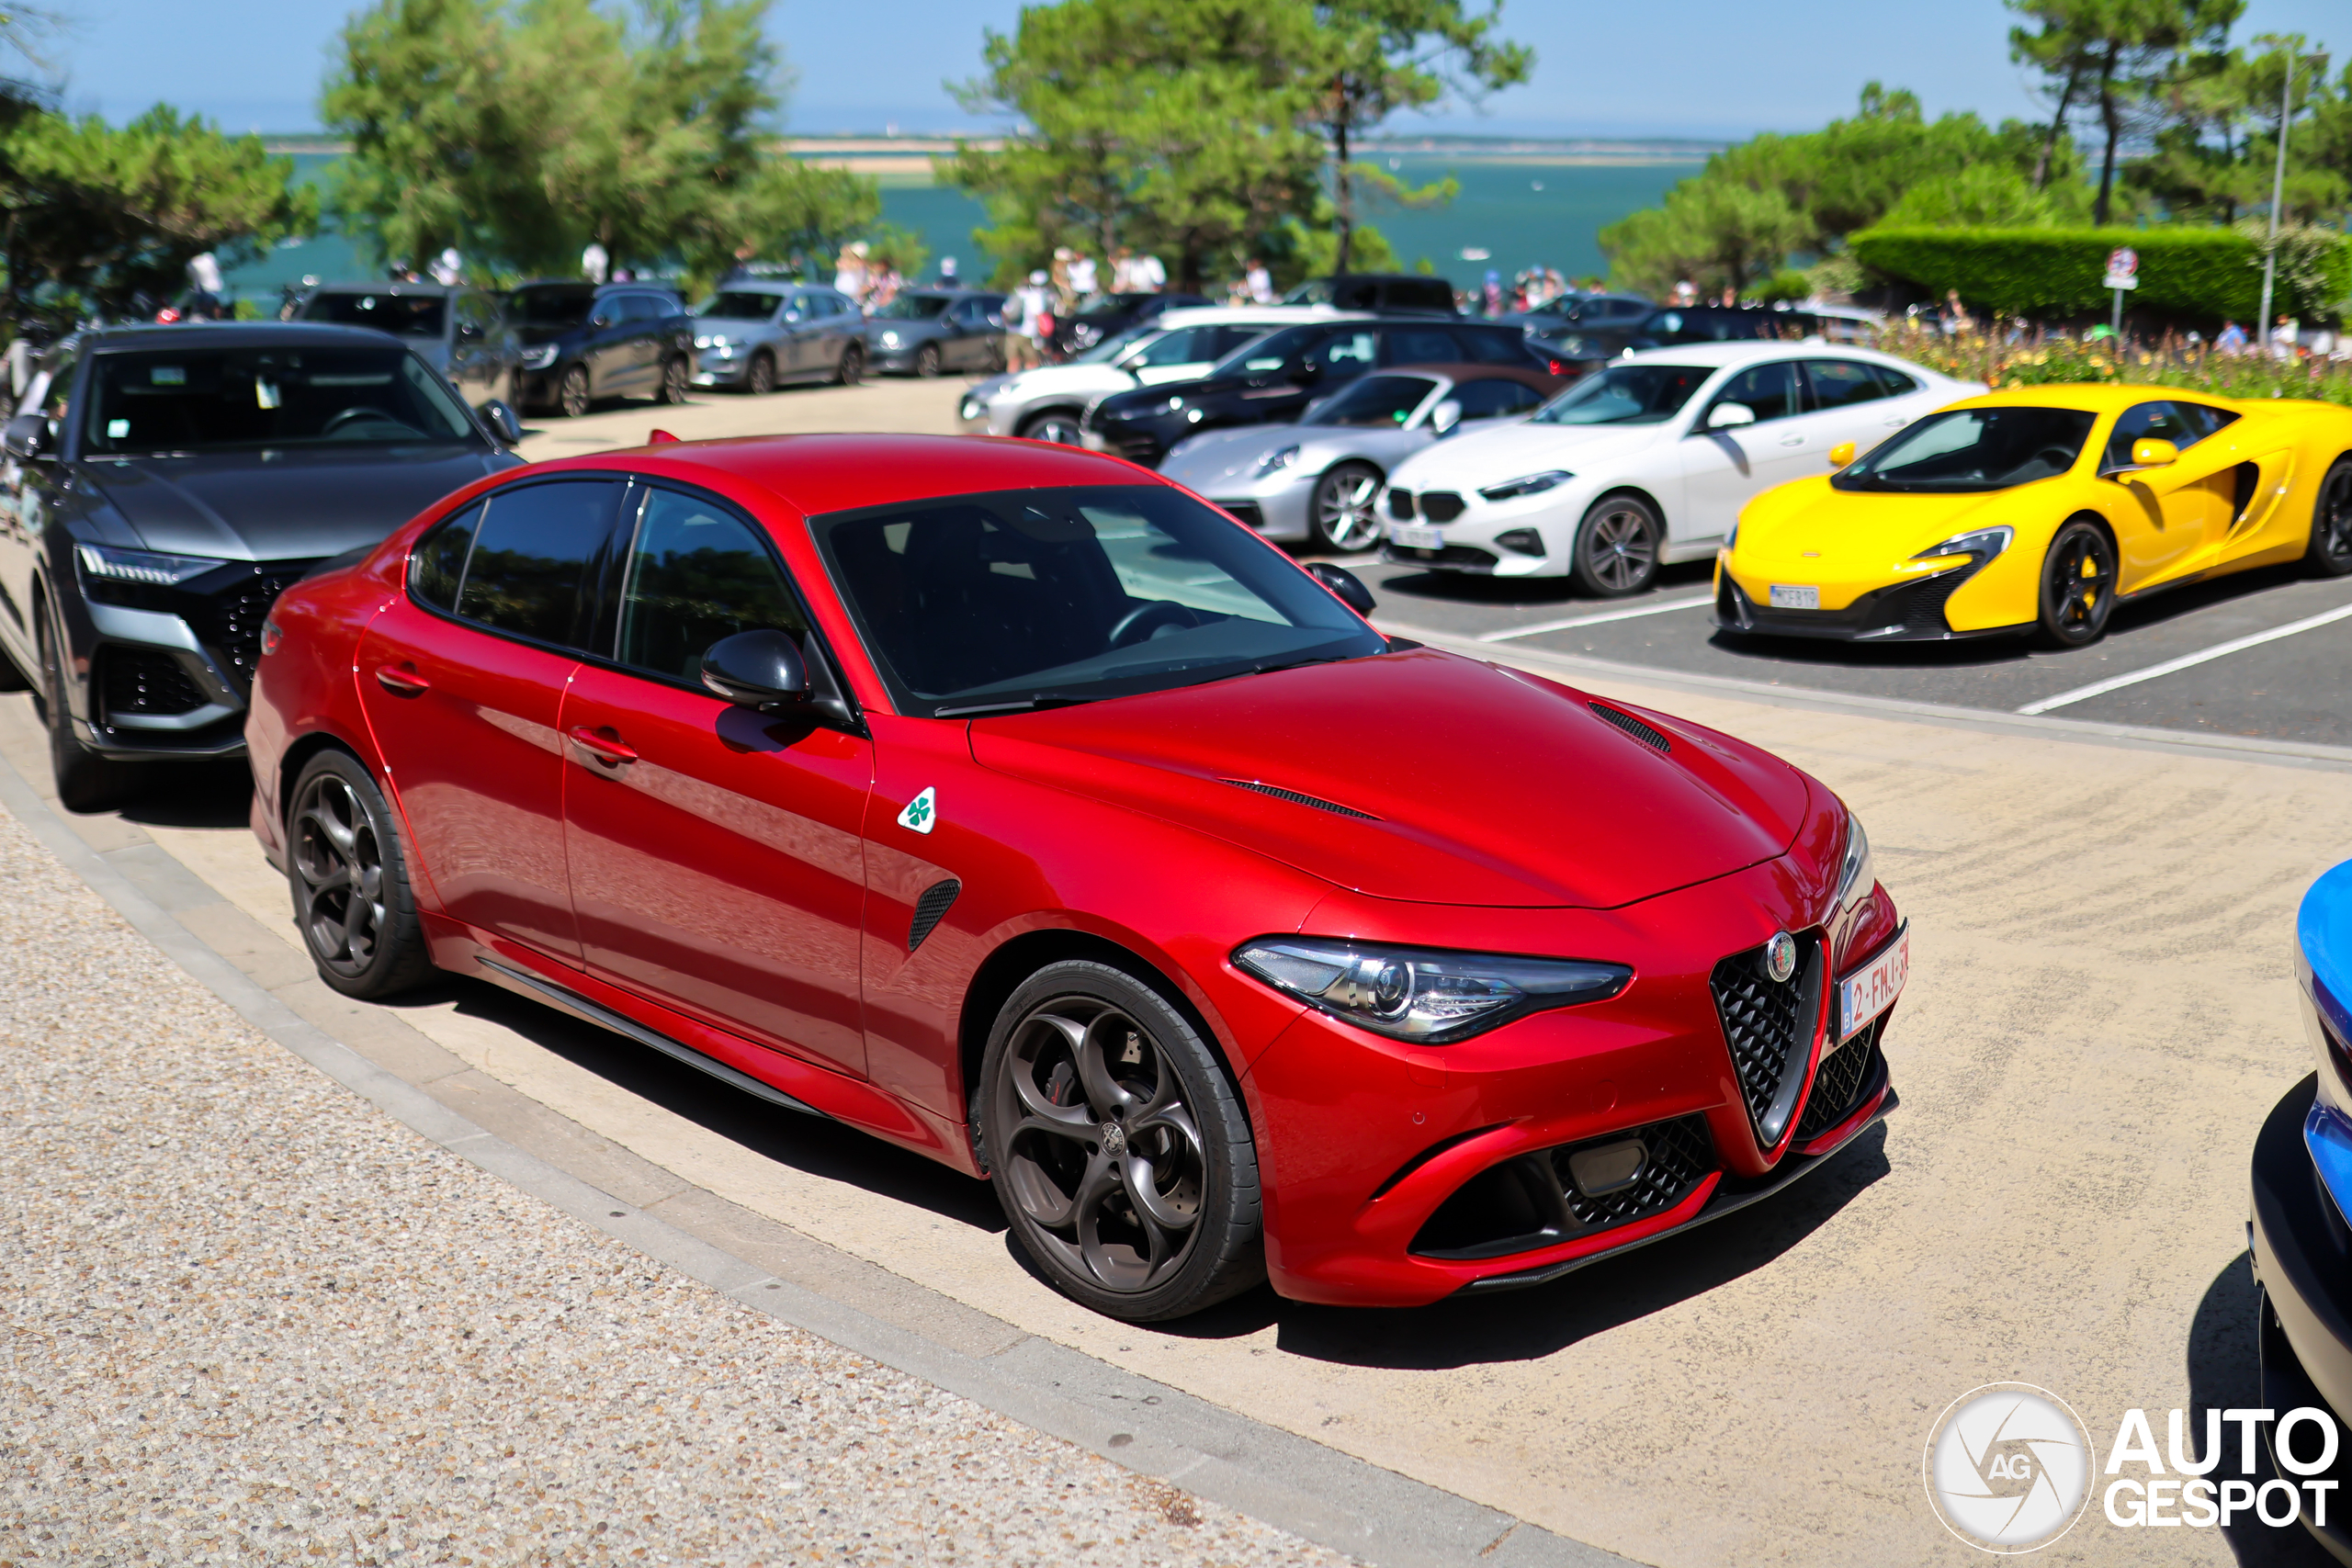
(1316, 482)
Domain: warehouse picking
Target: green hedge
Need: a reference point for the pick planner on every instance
(2203, 273)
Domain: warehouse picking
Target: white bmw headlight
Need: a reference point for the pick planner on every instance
(1983, 544)
(1424, 994)
(1274, 461)
(1527, 484)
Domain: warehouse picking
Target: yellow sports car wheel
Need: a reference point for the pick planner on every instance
(2078, 585)
(2331, 551)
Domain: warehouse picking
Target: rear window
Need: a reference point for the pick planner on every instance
(403, 315)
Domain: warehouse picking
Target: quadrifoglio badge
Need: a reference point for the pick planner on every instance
(2009, 1468)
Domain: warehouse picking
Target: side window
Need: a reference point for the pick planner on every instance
(1840, 383)
(528, 571)
(2146, 421)
(1227, 339)
(1185, 346)
(1474, 347)
(1346, 353)
(1897, 383)
(2203, 421)
(642, 307)
(1495, 400)
(1770, 389)
(1420, 345)
(697, 573)
(438, 563)
(52, 393)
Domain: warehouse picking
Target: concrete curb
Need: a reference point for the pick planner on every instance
(2181, 742)
(1282, 1478)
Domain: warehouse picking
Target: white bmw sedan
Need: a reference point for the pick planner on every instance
(1647, 461)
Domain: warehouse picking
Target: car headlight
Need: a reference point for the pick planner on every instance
(890, 340)
(1423, 995)
(1856, 875)
(970, 408)
(105, 562)
(538, 358)
(1274, 461)
(1527, 484)
(704, 340)
(1983, 544)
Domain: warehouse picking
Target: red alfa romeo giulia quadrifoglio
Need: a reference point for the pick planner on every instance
(1015, 805)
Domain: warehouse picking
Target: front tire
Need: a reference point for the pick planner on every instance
(348, 873)
(1340, 516)
(2331, 548)
(927, 361)
(852, 368)
(1056, 425)
(85, 782)
(1617, 546)
(2078, 586)
(760, 379)
(571, 393)
(1122, 1156)
(674, 381)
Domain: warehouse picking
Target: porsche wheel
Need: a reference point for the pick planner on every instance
(571, 392)
(1340, 515)
(349, 878)
(761, 378)
(1122, 1156)
(1617, 546)
(2078, 586)
(2331, 550)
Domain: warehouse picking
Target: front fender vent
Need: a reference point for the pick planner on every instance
(1295, 798)
(928, 908)
(1647, 734)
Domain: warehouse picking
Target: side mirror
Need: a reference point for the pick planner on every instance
(1730, 416)
(791, 316)
(468, 330)
(502, 421)
(2154, 454)
(1445, 416)
(1309, 371)
(1343, 583)
(757, 670)
(600, 321)
(27, 436)
(1842, 454)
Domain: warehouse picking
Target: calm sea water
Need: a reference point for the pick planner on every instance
(1522, 214)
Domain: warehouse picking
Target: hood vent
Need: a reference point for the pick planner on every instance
(1297, 800)
(1645, 734)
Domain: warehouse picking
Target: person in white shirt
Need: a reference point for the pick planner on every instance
(1259, 282)
(595, 263)
(849, 272)
(448, 268)
(1081, 275)
(2283, 338)
(1035, 304)
(1152, 274)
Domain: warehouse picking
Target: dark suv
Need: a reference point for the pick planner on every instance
(1392, 291)
(461, 333)
(586, 341)
(1270, 380)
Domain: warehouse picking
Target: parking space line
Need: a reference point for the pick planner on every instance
(2187, 660)
(1600, 617)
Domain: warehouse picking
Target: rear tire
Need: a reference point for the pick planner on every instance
(927, 361)
(1617, 546)
(571, 393)
(760, 379)
(85, 782)
(674, 381)
(2331, 548)
(348, 873)
(1340, 514)
(1122, 1156)
(2078, 586)
(852, 368)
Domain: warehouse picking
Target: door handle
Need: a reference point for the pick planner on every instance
(401, 680)
(1791, 440)
(604, 745)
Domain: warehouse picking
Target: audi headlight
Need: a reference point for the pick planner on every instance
(107, 563)
(1273, 461)
(538, 358)
(1983, 544)
(1856, 875)
(1527, 484)
(1423, 995)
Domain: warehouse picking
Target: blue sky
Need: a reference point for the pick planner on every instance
(1708, 68)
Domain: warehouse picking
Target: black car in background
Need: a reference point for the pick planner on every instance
(1595, 313)
(926, 330)
(1391, 291)
(1270, 380)
(585, 341)
(1720, 324)
(160, 485)
(461, 333)
(1108, 315)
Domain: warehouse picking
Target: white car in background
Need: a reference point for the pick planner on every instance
(1047, 403)
(1647, 460)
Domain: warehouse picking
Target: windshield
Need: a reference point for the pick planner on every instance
(1020, 598)
(1376, 402)
(558, 307)
(403, 315)
(1112, 347)
(1974, 449)
(913, 308)
(739, 305)
(1626, 394)
(197, 399)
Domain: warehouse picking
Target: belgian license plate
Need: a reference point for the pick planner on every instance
(1871, 989)
(1419, 538)
(1795, 596)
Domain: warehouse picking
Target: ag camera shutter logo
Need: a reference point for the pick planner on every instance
(2008, 1467)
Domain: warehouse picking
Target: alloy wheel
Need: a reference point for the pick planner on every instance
(1103, 1157)
(2331, 546)
(338, 859)
(2078, 585)
(1061, 429)
(1343, 507)
(853, 367)
(1620, 546)
(927, 361)
(762, 377)
(674, 381)
(571, 393)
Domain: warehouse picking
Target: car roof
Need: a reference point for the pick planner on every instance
(1741, 351)
(1459, 372)
(368, 287)
(2089, 397)
(1256, 315)
(816, 474)
(235, 334)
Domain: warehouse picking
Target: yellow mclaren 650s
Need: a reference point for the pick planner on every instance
(2036, 510)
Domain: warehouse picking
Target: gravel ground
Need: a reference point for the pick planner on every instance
(248, 1318)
